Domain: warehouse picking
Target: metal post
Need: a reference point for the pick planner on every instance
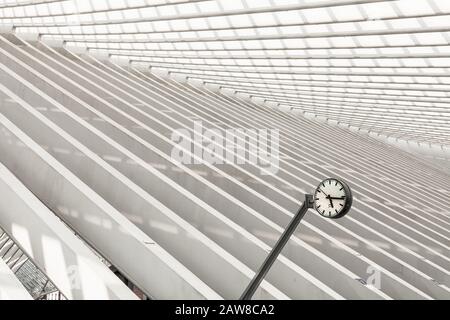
(259, 276)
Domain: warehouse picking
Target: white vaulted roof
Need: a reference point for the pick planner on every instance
(92, 91)
(379, 65)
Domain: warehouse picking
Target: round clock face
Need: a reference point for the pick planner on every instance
(332, 198)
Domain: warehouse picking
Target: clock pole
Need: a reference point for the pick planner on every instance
(259, 276)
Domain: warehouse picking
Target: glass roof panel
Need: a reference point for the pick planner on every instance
(356, 61)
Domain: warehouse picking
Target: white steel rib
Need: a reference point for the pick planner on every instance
(71, 266)
(86, 134)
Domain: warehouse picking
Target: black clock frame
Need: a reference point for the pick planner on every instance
(348, 199)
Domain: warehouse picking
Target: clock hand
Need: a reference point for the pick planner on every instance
(331, 201)
(337, 198)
